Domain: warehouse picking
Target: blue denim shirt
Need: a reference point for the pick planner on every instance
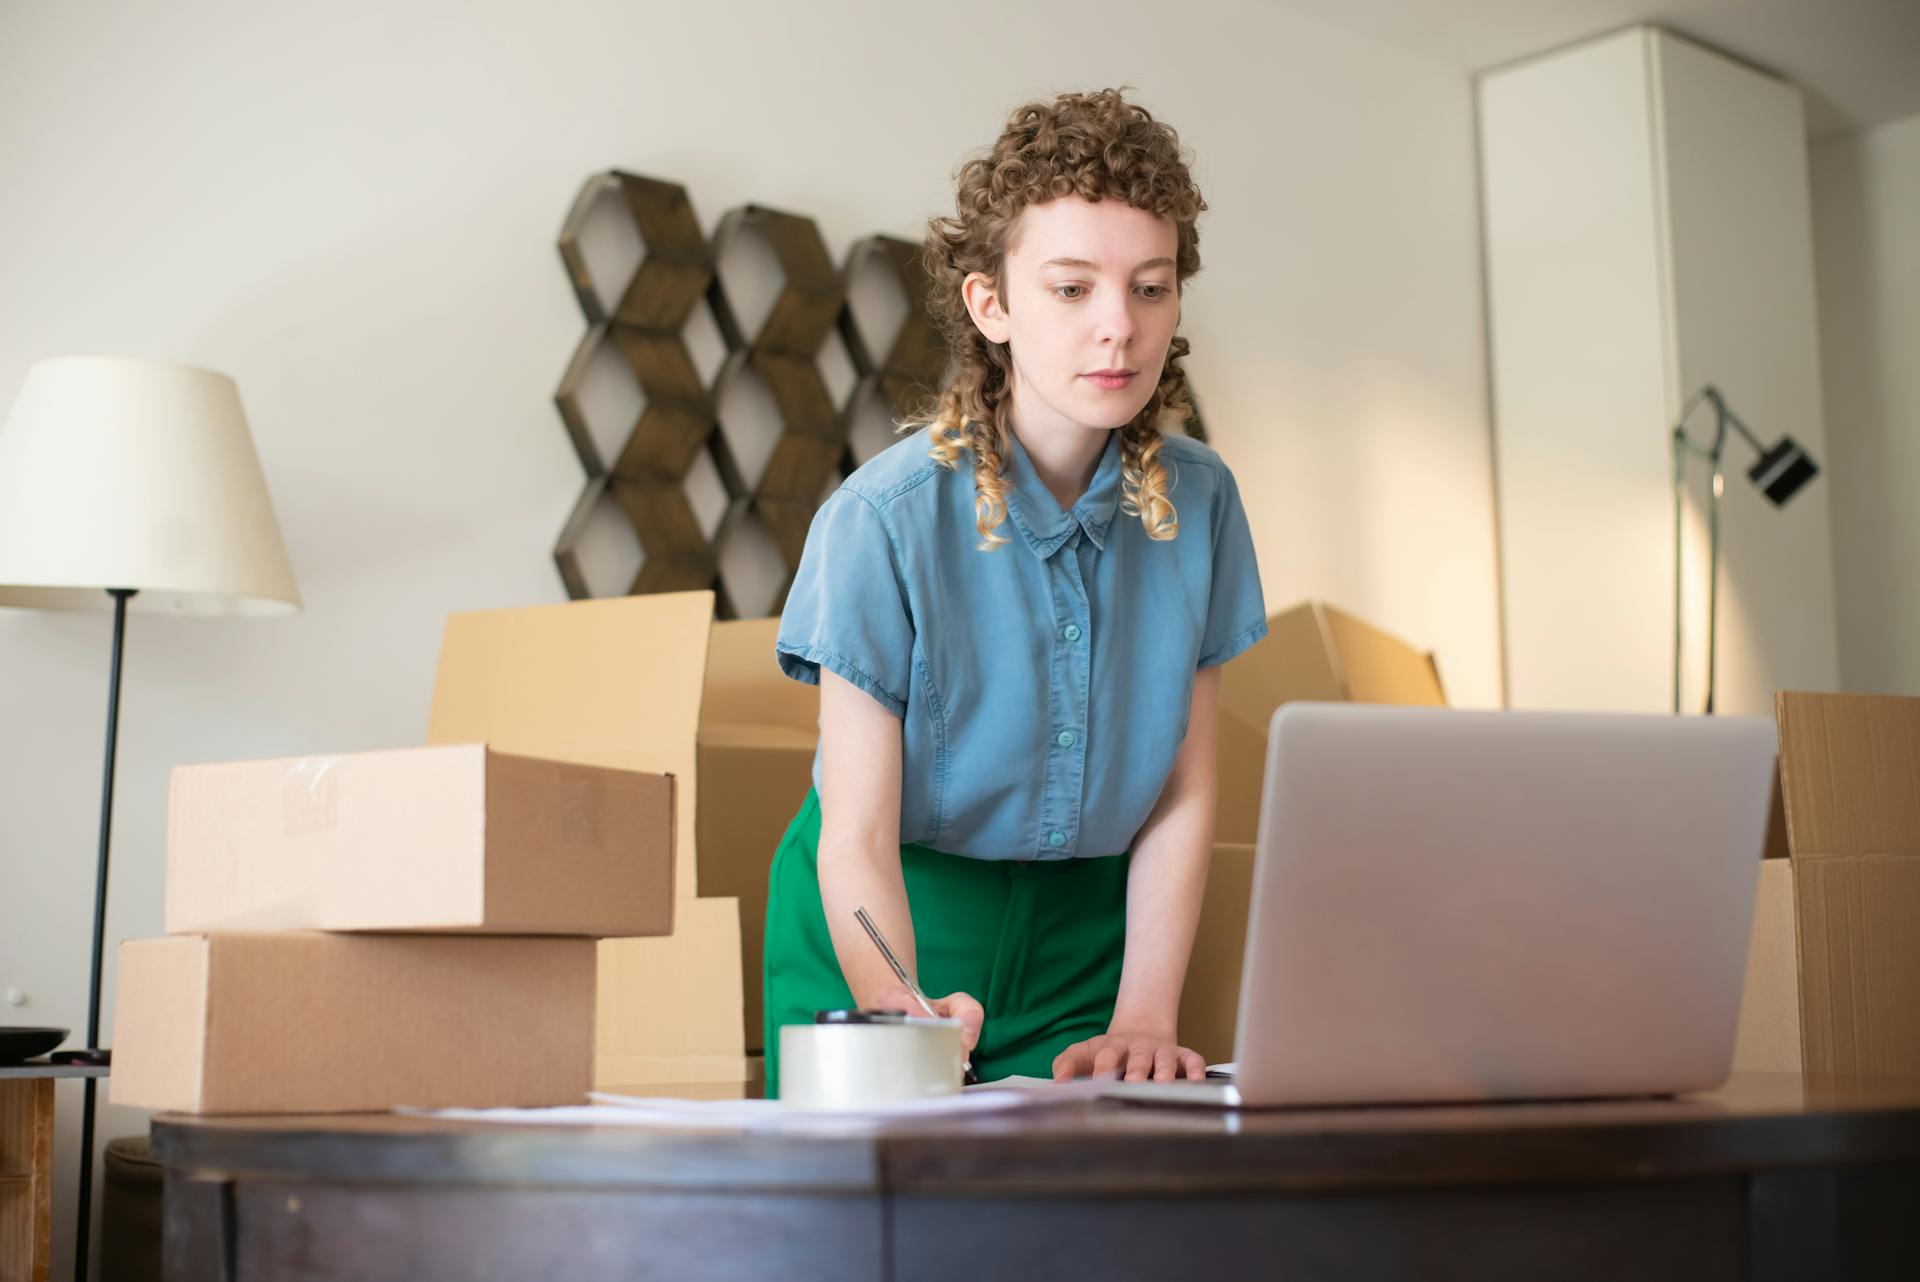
(1043, 687)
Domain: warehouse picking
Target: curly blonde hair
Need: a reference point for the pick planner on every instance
(1100, 147)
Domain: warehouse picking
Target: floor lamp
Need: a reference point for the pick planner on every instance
(132, 483)
(1784, 467)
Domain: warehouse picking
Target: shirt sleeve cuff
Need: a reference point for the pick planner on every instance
(1242, 640)
(803, 663)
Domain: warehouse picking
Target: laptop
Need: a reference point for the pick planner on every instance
(1452, 905)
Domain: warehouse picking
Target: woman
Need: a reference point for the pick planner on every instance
(1016, 624)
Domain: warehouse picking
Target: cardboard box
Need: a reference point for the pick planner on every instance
(1833, 978)
(1312, 651)
(749, 1083)
(669, 1009)
(758, 731)
(653, 683)
(1210, 1001)
(306, 1022)
(1767, 1039)
(448, 839)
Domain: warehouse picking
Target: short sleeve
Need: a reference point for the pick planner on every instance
(847, 610)
(1236, 608)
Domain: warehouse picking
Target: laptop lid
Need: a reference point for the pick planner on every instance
(1457, 905)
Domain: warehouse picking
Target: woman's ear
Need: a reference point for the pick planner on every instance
(982, 297)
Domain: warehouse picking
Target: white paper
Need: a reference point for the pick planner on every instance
(1016, 1083)
(772, 1115)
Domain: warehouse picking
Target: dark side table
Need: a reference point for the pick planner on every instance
(1771, 1177)
(26, 1166)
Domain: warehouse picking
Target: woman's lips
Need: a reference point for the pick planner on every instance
(1109, 382)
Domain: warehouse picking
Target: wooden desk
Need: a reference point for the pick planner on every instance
(26, 1166)
(1770, 1177)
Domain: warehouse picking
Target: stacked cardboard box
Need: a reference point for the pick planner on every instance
(654, 684)
(380, 929)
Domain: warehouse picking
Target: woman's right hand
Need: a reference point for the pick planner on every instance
(961, 1006)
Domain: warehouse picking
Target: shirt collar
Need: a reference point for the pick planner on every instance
(1034, 510)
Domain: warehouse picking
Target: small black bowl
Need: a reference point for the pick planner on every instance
(17, 1045)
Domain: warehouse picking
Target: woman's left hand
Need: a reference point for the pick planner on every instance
(1137, 1057)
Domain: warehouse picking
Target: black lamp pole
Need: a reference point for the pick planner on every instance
(1784, 467)
(81, 1231)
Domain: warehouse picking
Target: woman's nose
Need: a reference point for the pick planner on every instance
(1117, 325)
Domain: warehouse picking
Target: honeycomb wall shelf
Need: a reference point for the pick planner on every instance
(724, 386)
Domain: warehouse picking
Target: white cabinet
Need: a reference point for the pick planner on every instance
(1647, 231)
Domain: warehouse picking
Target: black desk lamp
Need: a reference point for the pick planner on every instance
(124, 478)
(1783, 469)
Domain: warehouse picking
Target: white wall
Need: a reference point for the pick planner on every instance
(1866, 222)
(351, 208)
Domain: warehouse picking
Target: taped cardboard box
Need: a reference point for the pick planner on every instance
(1833, 979)
(446, 839)
(1312, 651)
(308, 1022)
(653, 683)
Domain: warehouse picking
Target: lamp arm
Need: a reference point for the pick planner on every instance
(1740, 427)
(1707, 393)
(1724, 417)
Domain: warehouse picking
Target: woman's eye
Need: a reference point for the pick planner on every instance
(1154, 291)
(1061, 290)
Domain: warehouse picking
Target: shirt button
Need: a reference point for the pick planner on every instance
(1057, 839)
(1064, 738)
(1073, 632)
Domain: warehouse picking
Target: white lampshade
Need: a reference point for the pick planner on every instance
(119, 473)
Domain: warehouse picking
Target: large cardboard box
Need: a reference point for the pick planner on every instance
(669, 1009)
(1767, 1038)
(1312, 651)
(307, 1022)
(653, 683)
(447, 839)
(1210, 1000)
(758, 731)
(1833, 977)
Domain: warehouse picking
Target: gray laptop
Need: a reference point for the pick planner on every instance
(1454, 905)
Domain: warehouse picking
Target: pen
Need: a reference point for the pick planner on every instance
(880, 942)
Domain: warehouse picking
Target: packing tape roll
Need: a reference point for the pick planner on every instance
(860, 1060)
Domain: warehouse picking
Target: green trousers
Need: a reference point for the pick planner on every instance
(1039, 944)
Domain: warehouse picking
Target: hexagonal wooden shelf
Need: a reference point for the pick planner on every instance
(619, 219)
(648, 380)
(789, 315)
(886, 322)
(711, 398)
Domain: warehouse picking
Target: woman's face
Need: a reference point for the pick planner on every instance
(1089, 287)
